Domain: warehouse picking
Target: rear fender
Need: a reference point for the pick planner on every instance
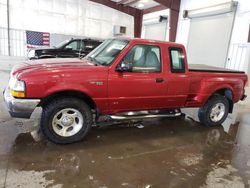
(226, 93)
(215, 85)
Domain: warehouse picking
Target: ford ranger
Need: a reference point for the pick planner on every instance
(122, 79)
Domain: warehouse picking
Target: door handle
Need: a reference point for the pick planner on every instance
(159, 80)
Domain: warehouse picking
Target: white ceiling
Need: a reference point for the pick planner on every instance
(139, 4)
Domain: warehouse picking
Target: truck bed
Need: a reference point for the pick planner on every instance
(206, 68)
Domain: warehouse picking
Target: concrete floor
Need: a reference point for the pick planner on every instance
(162, 153)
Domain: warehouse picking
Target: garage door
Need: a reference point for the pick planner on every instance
(209, 36)
(156, 31)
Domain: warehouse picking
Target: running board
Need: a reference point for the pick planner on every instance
(114, 117)
(173, 113)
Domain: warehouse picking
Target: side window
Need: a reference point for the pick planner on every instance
(82, 45)
(144, 58)
(177, 60)
(75, 45)
(90, 45)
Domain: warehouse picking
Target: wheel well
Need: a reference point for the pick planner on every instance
(229, 96)
(75, 94)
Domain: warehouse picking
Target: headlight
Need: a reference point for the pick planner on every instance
(31, 54)
(17, 87)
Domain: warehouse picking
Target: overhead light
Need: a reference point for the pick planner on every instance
(140, 5)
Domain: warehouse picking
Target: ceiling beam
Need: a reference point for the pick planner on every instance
(166, 3)
(154, 9)
(122, 2)
(125, 9)
(131, 2)
(171, 4)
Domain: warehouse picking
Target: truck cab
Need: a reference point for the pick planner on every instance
(145, 76)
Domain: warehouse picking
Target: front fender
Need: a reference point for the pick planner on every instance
(68, 87)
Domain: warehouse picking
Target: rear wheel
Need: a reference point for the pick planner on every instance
(66, 120)
(215, 111)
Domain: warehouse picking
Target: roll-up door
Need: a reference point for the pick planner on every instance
(210, 34)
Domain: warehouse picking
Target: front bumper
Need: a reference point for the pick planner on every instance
(19, 108)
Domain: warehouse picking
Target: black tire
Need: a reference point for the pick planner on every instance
(205, 111)
(51, 109)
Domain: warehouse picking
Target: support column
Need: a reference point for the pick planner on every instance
(138, 16)
(174, 7)
(174, 15)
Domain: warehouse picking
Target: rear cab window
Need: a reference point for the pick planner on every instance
(177, 62)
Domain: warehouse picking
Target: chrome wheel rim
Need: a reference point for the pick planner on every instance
(67, 122)
(217, 112)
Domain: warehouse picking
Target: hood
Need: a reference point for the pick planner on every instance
(50, 65)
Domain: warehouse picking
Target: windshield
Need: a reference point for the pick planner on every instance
(61, 44)
(105, 53)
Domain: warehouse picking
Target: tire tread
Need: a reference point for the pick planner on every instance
(204, 111)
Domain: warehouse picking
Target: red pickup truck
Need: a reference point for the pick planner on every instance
(122, 79)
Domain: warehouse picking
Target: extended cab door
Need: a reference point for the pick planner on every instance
(142, 87)
(177, 79)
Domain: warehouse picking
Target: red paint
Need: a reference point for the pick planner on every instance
(127, 91)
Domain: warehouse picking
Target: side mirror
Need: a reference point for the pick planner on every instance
(124, 67)
(68, 47)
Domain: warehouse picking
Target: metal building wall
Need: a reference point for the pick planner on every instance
(81, 18)
(17, 42)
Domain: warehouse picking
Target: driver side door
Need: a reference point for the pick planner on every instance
(143, 86)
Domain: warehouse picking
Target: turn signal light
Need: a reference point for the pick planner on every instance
(18, 94)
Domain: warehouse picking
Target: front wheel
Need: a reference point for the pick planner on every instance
(215, 111)
(66, 120)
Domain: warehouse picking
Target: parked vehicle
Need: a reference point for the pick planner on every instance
(122, 79)
(66, 49)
